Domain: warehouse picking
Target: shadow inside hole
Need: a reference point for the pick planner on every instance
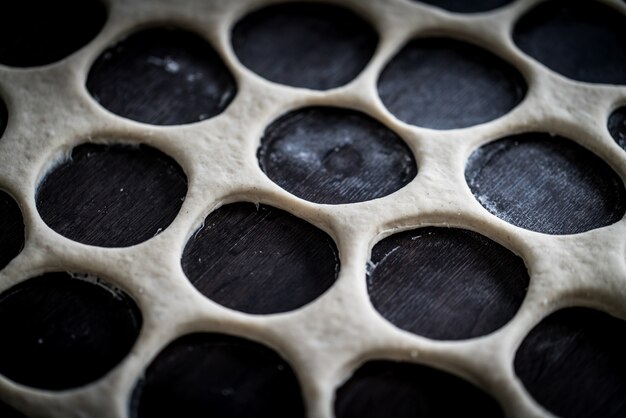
(546, 184)
(163, 77)
(333, 155)
(582, 40)
(4, 117)
(260, 260)
(617, 126)
(39, 32)
(445, 283)
(443, 83)
(465, 6)
(202, 375)
(112, 195)
(381, 389)
(573, 363)
(60, 332)
(11, 229)
(8, 412)
(312, 45)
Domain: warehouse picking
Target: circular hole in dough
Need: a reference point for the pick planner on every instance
(546, 184)
(464, 6)
(11, 229)
(259, 259)
(162, 76)
(445, 283)
(333, 155)
(617, 126)
(112, 195)
(60, 331)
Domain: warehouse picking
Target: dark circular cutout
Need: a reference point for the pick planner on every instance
(465, 6)
(582, 40)
(163, 77)
(112, 195)
(333, 155)
(4, 117)
(443, 83)
(39, 32)
(381, 389)
(445, 283)
(617, 126)
(573, 364)
(11, 229)
(311, 45)
(215, 375)
(60, 332)
(8, 412)
(546, 184)
(260, 260)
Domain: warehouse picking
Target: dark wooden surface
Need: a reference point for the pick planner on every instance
(260, 260)
(61, 332)
(125, 82)
(546, 184)
(467, 6)
(573, 363)
(581, 39)
(11, 229)
(218, 376)
(317, 46)
(403, 390)
(332, 155)
(445, 283)
(445, 84)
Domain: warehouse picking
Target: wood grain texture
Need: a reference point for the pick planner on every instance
(465, 6)
(381, 389)
(218, 376)
(39, 32)
(260, 259)
(573, 364)
(162, 76)
(333, 155)
(546, 183)
(443, 83)
(112, 195)
(583, 40)
(11, 229)
(445, 283)
(61, 332)
(311, 45)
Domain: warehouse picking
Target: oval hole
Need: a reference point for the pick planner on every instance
(11, 229)
(617, 126)
(312, 45)
(381, 389)
(447, 84)
(112, 195)
(333, 155)
(464, 6)
(215, 375)
(61, 331)
(546, 184)
(573, 363)
(445, 283)
(163, 77)
(260, 260)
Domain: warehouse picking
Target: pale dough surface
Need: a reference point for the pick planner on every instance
(325, 341)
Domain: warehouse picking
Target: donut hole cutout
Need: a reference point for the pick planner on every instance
(216, 375)
(617, 126)
(582, 40)
(442, 83)
(61, 331)
(162, 76)
(8, 412)
(310, 45)
(573, 363)
(4, 117)
(11, 229)
(40, 32)
(381, 389)
(445, 283)
(259, 259)
(334, 156)
(546, 184)
(464, 6)
(112, 195)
